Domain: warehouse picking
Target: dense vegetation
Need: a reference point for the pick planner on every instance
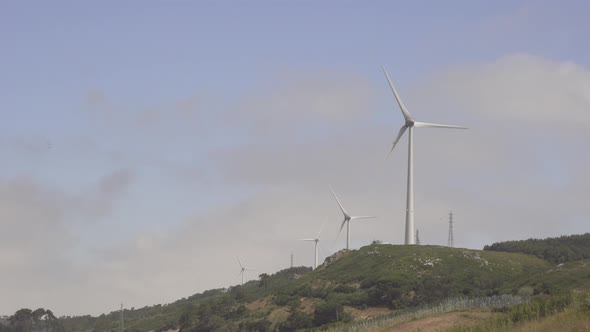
(577, 303)
(401, 276)
(213, 310)
(555, 250)
(558, 279)
(25, 320)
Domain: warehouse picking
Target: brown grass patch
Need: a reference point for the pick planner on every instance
(258, 304)
(370, 312)
(308, 305)
(440, 322)
(278, 316)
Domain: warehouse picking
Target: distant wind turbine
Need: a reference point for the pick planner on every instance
(242, 269)
(347, 219)
(409, 125)
(316, 240)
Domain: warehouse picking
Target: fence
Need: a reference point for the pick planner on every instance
(449, 305)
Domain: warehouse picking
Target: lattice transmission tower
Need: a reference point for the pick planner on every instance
(451, 240)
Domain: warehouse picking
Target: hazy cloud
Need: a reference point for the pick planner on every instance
(40, 240)
(519, 171)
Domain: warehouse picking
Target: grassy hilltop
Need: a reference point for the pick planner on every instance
(431, 272)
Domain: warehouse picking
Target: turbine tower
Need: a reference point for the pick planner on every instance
(121, 319)
(243, 269)
(347, 219)
(316, 240)
(410, 124)
(450, 241)
(417, 237)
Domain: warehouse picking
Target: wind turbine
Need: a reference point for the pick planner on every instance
(410, 123)
(316, 240)
(242, 269)
(347, 219)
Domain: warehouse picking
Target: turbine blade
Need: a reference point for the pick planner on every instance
(338, 201)
(402, 107)
(401, 132)
(306, 240)
(249, 269)
(239, 262)
(341, 227)
(435, 125)
(362, 217)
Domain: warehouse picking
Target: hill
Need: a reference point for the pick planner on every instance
(375, 283)
(376, 278)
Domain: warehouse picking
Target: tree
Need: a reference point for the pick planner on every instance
(264, 280)
(186, 323)
(38, 314)
(261, 325)
(328, 312)
(22, 320)
(296, 321)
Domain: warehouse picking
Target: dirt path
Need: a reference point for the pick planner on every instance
(438, 323)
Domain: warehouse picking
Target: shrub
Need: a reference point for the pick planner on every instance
(367, 283)
(328, 312)
(344, 289)
(526, 291)
(296, 321)
(282, 299)
(262, 325)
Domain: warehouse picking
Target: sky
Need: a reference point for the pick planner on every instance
(147, 144)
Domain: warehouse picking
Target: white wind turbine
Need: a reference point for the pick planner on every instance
(316, 240)
(409, 125)
(347, 219)
(242, 269)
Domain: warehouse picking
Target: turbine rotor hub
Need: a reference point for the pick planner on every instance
(410, 122)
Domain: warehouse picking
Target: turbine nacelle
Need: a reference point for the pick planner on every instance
(310, 240)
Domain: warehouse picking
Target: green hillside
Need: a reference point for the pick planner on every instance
(375, 276)
(424, 274)
(559, 278)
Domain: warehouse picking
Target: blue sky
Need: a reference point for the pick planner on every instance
(136, 124)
